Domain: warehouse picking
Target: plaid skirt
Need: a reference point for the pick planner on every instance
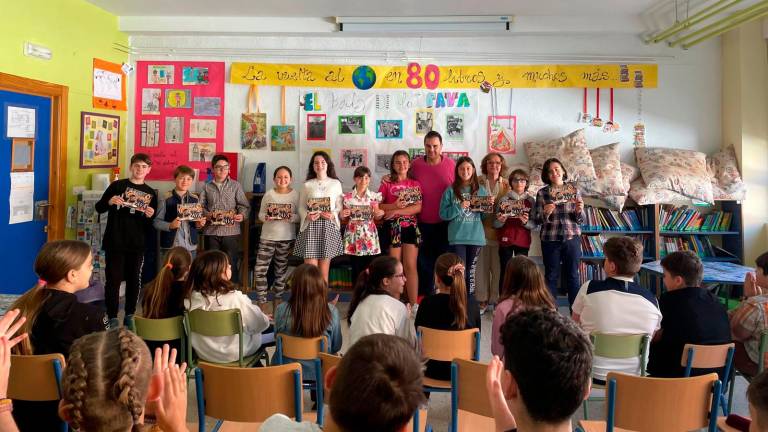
(321, 239)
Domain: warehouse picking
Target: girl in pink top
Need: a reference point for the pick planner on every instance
(523, 287)
(401, 202)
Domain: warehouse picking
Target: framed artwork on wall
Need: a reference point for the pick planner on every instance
(99, 140)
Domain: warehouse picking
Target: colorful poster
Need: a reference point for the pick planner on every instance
(108, 86)
(175, 98)
(99, 140)
(253, 131)
(195, 76)
(283, 138)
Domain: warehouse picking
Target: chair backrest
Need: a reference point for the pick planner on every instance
(621, 346)
(300, 348)
(446, 345)
(214, 323)
(468, 391)
(707, 357)
(248, 395)
(763, 351)
(662, 404)
(158, 330)
(35, 377)
(328, 361)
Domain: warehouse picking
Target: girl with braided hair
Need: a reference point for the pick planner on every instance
(449, 308)
(109, 378)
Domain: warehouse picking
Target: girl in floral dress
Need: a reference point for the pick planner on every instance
(361, 210)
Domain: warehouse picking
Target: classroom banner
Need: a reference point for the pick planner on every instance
(416, 76)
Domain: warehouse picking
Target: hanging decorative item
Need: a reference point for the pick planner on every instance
(611, 125)
(253, 125)
(597, 121)
(639, 129)
(584, 116)
(283, 136)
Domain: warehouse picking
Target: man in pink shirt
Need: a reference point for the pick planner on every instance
(435, 174)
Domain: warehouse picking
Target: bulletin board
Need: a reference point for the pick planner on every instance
(179, 114)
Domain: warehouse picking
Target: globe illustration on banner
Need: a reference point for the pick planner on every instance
(364, 77)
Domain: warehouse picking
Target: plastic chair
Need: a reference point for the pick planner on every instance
(711, 357)
(161, 330)
(229, 394)
(617, 346)
(219, 323)
(659, 404)
(308, 349)
(36, 378)
(447, 345)
(470, 405)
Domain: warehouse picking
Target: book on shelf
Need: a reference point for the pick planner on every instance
(592, 245)
(701, 245)
(612, 220)
(690, 219)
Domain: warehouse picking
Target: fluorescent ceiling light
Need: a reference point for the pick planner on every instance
(425, 24)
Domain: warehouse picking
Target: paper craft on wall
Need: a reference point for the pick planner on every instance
(150, 101)
(160, 74)
(415, 152)
(201, 151)
(389, 129)
(175, 98)
(174, 130)
(195, 76)
(454, 127)
(202, 128)
(502, 134)
(253, 130)
(99, 140)
(351, 125)
(283, 138)
(316, 127)
(207, 106)
(108, 85)
(353, 158)
(424, 121)
(150, 133)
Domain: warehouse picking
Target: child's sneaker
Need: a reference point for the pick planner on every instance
(483, 307)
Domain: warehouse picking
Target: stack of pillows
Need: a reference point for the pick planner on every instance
(664, 175)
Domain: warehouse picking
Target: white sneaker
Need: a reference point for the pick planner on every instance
(483, 307)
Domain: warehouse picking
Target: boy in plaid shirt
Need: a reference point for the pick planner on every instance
(750, 319)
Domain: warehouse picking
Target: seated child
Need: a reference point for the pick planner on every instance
(748, 320)
(376, 387)
(538, 388)
(618, 304)
(210, 289)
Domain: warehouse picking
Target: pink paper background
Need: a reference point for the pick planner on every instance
(166, 157)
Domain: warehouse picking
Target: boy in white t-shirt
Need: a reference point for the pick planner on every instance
(618, 304)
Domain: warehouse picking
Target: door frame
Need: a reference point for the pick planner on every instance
(57, 182)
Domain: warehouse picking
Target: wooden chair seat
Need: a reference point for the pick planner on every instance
(436, 383)
(598, 426)
(724, 427)
(331, 426)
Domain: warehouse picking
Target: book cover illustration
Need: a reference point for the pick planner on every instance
(190, 212)
(481, 204)
(513, 207)
(136, 199)
(222, 217)
(410, 195)
(278, 211)
(565, 193)
(360, 212)
(319, 205)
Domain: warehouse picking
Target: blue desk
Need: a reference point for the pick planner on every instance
(722, 273)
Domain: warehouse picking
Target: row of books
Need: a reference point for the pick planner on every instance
(590, 271)
(592, 245)
(605, 219)
(701, 245)
(689, 219)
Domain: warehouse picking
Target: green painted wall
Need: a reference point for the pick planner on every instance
(76, 32)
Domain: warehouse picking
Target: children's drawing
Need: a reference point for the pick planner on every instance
(174, 130)
(175, 98)
(353, 158)
(283, 137)
(253, 131)
(150, 101)
(207, 106)
(199, 128)
(351, 125)
(194, 76)
(454, 127)
(316, 127)
(424, 121)
(160, 74)
(150, 133)
(201, 151)
(389, 129)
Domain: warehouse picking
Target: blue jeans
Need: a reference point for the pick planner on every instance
(469, 255)
(562, 257)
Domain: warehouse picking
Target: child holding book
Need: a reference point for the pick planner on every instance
(224, 194)
(559, 210)
(123, 241)
(319, 238)
(465, 226)
(177, 229)
(279, 212)
(361, 211)
(210, 289)
(401, 205)
(513, 221)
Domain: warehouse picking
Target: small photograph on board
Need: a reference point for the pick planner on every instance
(319, 205)
(279, 211)
(415, 152)
(382, 163)
(502, 134)
(424, 121)
(160, 74)
(201, 151)
(283, 137)
(353, 158)
(316, 127)
(199, 128)
(222, 217)
(174, 130)
(150, 101)
(134, 198)
(207, 106)
(253, 131)
(389, 129)
(190, 212)
(194, 76)
(454, 127)
(150, 133)
(482, 204)
(351, 125)
(175, 98)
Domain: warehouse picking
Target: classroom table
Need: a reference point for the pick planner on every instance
(716, 274)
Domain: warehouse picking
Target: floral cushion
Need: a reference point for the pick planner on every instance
(682, 171)
(571, 150)
(629, 174)
(613, 202)
(726, 179)
(607, 164)
(643, 195)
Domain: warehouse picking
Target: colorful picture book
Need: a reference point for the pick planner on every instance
(564, 193)
(410, 195)
(360, 212)
(481, 204)
(279, 211)
(600, 219)
(319, 205)
(689, 219)
(513, 207)
(134, 198)
(190, 212)
(222, 217)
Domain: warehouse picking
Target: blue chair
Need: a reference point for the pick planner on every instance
(659, 404)
(712, 357)
(447, 345)
(36, 378)
(307, 349)
(229, 393)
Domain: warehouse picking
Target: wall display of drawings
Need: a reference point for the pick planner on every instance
(179, 114)
(366, 127)
(99, 140)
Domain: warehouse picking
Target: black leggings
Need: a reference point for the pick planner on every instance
(122, 266)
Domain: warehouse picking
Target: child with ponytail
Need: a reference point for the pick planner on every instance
(449, 308)
(164, 296)
(376, 306)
